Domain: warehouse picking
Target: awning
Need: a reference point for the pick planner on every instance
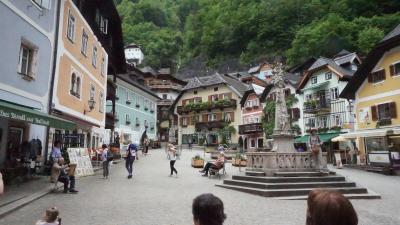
(366, 133)
(29, 115)
(324, 137)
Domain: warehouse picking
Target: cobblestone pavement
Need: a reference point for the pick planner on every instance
(154, 198)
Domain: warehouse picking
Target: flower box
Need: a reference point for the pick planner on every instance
(197, 163)
(238, 162)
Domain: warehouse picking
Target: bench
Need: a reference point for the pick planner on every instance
(217, 171)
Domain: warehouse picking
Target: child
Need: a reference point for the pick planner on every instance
(50, 217)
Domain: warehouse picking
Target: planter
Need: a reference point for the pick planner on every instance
(197, 163)
(238, 162)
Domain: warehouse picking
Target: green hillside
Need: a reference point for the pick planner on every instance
(172, 32)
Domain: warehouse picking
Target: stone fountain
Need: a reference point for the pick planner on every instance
(283, 156)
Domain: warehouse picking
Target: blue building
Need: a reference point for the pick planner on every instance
(135, 109)
(27, 41)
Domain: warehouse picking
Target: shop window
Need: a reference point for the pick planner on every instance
(377, 76)
(375, 144)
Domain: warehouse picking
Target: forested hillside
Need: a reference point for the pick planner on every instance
(173, 32)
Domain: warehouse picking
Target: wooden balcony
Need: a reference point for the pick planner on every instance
(210, 105)
(209, 125)
(315, 107)
(250, 128)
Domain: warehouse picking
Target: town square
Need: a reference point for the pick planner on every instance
(200, 112)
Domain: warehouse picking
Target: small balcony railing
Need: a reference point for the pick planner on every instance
(250, 128)
(315, 106)
(201, 106)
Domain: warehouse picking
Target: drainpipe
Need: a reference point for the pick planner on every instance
(53, 73)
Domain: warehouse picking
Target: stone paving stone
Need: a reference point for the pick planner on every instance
(154, 198)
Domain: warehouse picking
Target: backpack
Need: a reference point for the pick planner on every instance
(110, 156)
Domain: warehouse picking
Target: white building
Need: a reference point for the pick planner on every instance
(133, 54)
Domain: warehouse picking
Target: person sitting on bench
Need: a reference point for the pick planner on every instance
(59, 174)
(217, 164)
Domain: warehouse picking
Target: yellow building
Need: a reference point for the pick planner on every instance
(375, 89)
(80, 79)
(206, 105)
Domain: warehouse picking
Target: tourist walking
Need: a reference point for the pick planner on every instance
(208, 209)
(329, 208)
(105, 161)
(314, 143)
(172, 159)
(146, 145)
(190, 141)
(131, 154)
(50, 217)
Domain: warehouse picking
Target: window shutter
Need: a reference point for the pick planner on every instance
(391, 70)
(393, 111)
(374, 113)
(383, 74)
(219, 116)
(232, 114)
(205, 118)
(370, 78)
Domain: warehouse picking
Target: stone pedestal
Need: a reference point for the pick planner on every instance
(270, 162)
(283, 143)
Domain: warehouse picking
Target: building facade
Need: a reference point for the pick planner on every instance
(375, 89)
(206, 106)
(134, 54)
(80, 81)
(251, 129)
(167, 87)
(135, 110)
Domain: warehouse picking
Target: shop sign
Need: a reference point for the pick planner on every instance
(24, 117)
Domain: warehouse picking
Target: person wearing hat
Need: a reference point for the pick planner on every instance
(216, 164)
(314, 143)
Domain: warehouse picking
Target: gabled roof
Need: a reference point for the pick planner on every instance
(253, 88)
(324, 62)
(343, 52)
(390, 41)
(254, 69)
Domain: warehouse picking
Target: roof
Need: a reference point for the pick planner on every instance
(130, 79)
(254, 69)
(345, 58)
(342, 53)
(132, 45)
(395, 32)
(323, 62)
(164, 71)
(390, 41)
(299, 68)
(253, 88)
(148, 70)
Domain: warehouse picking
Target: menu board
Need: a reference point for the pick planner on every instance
(80, 157)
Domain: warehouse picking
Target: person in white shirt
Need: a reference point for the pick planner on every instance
(105, 162)
(172, 159)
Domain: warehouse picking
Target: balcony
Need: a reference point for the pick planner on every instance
(209, 125)
(315, 106)
(221, 104)
(250, 128)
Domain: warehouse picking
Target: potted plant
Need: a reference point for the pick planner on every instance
(197, 162)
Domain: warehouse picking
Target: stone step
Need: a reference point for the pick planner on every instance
(289, 185)
(255, 173)
(349, 196)
(288, 179)
(291, 192)
(302, 174)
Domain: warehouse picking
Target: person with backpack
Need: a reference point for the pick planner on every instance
(106, 157)
(314, 143)
(131, 154)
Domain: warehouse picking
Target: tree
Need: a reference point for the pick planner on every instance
(368, 37)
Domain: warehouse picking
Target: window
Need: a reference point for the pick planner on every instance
(184, 121)
(227, 117)
(314, 80)
(287, 92)
(92, 91)
(384, 111)
(101, 102)
(255, 102)
(214, 97)
(146, 124)
(334, 93)
(252, 143)
(212, 117)
(248, 103)
(128, 97)
(75, 85)
(216, 89)
(308, 97)
(94, 57)
(103, 66)
(195, 92)
(323, 122)
(226, 96)
(164, 96)
(137, 100)
(137, 121)
(84, 43)
(311, 122)
(46, 4)
(336, 120)
(328, 75)
(103, 24)
(377, 76)
(127, 118)
(71, 27)
(27, 62)
(260, 143)
(78, 87)
(395, 69)
(197, 100)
